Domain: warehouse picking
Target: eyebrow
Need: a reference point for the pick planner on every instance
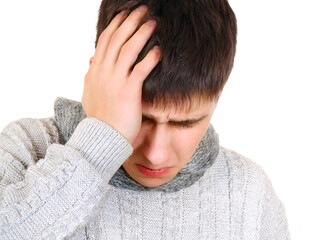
(183, 122)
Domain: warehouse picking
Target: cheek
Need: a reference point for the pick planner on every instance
(140, 137)
(186, 142)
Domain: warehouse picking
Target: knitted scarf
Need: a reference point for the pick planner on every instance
(69, 113)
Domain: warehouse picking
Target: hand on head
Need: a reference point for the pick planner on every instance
(113, 87)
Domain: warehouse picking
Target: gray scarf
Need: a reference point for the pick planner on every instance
(69, 113)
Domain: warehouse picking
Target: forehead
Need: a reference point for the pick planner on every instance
(194, 108)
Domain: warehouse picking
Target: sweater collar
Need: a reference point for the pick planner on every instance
(69, 113)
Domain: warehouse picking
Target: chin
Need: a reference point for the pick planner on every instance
(152, 182)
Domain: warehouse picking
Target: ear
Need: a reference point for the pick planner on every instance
(90, 61)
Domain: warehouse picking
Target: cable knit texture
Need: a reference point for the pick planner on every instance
(55, 184)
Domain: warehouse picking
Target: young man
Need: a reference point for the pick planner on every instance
(138, 158)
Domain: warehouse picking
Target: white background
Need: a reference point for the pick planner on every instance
(271, 109)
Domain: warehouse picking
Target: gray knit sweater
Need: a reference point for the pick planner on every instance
(55, 184)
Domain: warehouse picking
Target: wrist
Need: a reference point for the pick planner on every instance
(103, 146)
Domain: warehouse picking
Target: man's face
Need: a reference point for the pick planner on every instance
(166, 142)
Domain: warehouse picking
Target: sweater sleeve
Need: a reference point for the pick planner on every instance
(48, 190)
(273, 218)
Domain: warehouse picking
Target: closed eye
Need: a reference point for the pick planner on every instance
(185, 124)
(145, 119)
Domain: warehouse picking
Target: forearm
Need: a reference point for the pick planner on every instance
(64, 190)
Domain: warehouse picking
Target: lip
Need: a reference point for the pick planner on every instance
(153, 172)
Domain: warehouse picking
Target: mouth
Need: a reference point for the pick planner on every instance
(153, 172)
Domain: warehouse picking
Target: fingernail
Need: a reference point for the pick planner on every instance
(142, 8)
(151, 22)
(156, 48)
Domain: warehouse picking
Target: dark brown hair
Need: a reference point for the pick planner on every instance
(198, 43)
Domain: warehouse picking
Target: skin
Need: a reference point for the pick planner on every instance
(162, 142)
(159, 138)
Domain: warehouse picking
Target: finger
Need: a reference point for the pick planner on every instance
(135, 44)
(123, 33)
(105, 36)
(144, 68)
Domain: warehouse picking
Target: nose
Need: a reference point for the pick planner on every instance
(156, 147)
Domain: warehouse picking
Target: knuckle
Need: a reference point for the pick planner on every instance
(116, 36)
(139, 70)
(104, 36)
(127, 49)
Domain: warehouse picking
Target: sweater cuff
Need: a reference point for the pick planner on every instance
(103, 146)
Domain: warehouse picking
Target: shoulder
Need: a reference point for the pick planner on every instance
(29, 135)
(253, 198)
(247, 181)
(56, 129)
(31, 125)
(32, 128)
(246, 177)
(241, 167)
